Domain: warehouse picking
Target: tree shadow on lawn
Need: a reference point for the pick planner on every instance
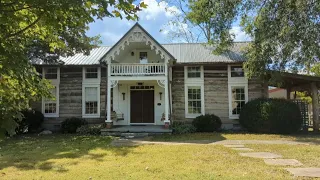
(39, 152)
(305, 138)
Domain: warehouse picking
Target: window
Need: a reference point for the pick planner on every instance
(237, 71)
(51, 73)
(91, 100)
(50, 105)
(194, 72)
(238, 100)
(194, 99)
(91, 73)
(143, 55)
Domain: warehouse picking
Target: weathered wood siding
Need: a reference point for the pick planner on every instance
(70, 92)
(103, 92)
(257, 89)
(70, 97)
(216, 91)
(177, 84)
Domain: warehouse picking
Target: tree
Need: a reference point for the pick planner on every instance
(285, 33)
(43, 30)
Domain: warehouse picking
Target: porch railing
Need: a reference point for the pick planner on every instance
(136, 69)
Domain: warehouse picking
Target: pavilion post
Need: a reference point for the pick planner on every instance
(288, 93)
(315, 106)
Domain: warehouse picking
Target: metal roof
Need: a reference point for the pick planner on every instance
(80, 59)
(201, 53)
(183, 53)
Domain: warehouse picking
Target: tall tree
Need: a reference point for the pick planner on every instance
(43, 30)
(285, 33)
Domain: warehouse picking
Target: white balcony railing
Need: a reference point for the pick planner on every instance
(135, 69)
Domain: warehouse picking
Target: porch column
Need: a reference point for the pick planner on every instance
(108, 120)
(166, 99)
(315, 107)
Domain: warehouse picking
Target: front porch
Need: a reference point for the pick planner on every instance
(138, 81)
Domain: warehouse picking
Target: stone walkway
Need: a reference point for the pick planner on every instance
(239, 145)
(275, 160)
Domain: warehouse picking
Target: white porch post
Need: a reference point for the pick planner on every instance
(166, 99)
(108, 120)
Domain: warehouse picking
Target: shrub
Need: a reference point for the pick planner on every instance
(207, 123)
(271, 116)
(30, 122)
(71, 125)
(182, 128)
(87, 130)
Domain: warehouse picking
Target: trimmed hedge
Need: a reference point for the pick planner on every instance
(278, 116)
(182, 128)
(207, 123)
(71, 125)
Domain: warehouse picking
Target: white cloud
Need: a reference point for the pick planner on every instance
(157, 10)
(151, 18)
(239, 34)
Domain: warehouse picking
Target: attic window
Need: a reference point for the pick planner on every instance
(194, 72)
(51, 73)
(237, 71)
(143, 55)
(91, 73)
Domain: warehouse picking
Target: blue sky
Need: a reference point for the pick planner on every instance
(153, 18)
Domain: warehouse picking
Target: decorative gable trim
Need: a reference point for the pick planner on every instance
(137, 34)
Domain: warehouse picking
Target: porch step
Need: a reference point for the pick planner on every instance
(135, 131)
(134, 135)
(131, 135)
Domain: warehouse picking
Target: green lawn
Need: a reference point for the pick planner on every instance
(80, 157)
(236, 136)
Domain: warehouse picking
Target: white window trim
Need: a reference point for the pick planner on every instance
(194, 79)
(245, 85)
(56, 83)
(188, 115)
(84, 115)
(235, 79)
(91, 80)
(193, 82)
(236, 82)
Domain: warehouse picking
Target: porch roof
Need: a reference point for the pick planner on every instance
(296, 81)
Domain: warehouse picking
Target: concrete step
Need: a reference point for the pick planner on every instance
(131, 135)
(134, 135)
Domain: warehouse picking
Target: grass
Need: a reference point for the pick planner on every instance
(85, 157)
(236, 136)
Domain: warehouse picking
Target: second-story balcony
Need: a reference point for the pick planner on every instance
(137, 69)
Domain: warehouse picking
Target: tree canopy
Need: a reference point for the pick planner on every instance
(43, 30)
(285, 33)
